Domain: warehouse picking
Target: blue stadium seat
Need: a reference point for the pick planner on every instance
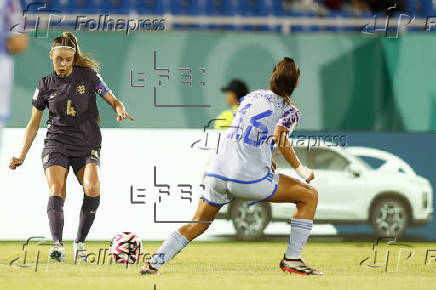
(115, 6)
(25, 3)
(250, 8)
(153, 6)
(185, 7)
(85, 7)
(255, 8)
(219, 7)
(427, 8)
(231, 7)
(267, 6)
(411, 5)
(277, 8)
(60, 6)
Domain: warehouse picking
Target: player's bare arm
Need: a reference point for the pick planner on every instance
(29, 135)
(285, 148)
(117, 106)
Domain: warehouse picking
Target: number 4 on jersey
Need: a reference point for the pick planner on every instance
(70, 109)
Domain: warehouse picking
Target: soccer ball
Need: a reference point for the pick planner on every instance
(126, 248)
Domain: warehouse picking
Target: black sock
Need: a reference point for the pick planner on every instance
(55, 212)
(87, 216)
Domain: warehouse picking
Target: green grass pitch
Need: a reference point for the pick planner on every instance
(224, 265)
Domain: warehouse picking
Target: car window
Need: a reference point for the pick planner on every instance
(320, 158)
(301, 152)
(373, 162)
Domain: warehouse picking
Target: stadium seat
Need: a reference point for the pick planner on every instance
(55, 7)
(267, 7)
(411, 6)
(186, 7)
(86, 6)
(255, 8)
(277, 8)
(30, 5)
(427, 8)
(59, 5)
(250, 8)
(219, 7)
(153, 6)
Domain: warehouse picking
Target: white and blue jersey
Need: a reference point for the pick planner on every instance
(245, 150)
(11, 22)
(242, 166)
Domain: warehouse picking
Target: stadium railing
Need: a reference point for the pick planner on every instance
(303, 23)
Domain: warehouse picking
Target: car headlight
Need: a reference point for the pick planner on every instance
(424, 200)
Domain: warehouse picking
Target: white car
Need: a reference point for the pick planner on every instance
(389, 197)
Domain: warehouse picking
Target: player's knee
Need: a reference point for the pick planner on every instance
(311, 197)
(57, 189)
(314, 196)
(91, 189)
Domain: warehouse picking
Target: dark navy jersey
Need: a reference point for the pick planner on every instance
(74, 122)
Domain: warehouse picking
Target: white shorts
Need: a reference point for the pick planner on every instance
(220, 190)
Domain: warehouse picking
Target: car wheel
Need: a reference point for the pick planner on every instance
(389, 217)
(249, 221)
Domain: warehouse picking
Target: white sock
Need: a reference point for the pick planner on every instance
(170, 247)
(300, 231)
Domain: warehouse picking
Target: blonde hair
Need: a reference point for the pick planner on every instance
(70, 40)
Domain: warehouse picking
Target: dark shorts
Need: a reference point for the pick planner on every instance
(51, 157)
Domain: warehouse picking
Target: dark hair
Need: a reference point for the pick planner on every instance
(284, 78)
(68, 39)
(238, 87)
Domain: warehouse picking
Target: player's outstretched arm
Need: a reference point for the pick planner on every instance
(285, 148)
(118, 107)
(29, 135)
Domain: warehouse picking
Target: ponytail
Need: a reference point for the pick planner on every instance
(284, 79)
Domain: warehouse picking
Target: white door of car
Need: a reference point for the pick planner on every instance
(340, 190)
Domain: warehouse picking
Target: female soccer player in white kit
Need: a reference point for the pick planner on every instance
(243, 168)
(13, 40)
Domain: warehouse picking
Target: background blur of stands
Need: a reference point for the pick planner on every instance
(249, 15)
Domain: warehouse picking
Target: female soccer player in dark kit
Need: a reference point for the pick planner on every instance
(73, 136)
